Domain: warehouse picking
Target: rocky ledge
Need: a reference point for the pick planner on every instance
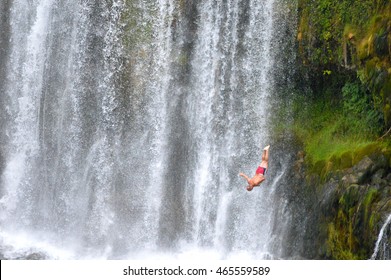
(342, 211)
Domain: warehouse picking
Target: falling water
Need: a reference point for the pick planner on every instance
(125, 124)
(382, 247)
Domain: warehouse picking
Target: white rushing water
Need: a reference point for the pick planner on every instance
(125, 126)
(382, 247)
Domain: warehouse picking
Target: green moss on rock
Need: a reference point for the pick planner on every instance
(346, 159)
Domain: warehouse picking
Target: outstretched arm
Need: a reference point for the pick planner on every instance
(245, 177)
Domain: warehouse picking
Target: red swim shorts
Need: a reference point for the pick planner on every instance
(260, 170)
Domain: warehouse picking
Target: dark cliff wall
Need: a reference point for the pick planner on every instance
(348, 41)
(343, 213)
(337, 116)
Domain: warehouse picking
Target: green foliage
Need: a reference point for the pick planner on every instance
(322, 25)
(336, 244)
(349, 233)
(371, 196)
(345, 48)
(378, 80)
(357, 36)
(333, 132)
(359, 111)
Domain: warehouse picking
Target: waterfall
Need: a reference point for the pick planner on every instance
(382, 247)
(125, 124)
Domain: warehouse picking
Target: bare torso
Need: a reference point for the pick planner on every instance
(256, 180)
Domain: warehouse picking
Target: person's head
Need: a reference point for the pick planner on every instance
(249, 188)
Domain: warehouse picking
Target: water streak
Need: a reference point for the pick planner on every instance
(382, 247)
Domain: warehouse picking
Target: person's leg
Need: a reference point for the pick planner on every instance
(265, 153)
(265, 157)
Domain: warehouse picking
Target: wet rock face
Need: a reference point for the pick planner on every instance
(25, 256)
(367, 171)
(363, 170)
(344, 214)
(35, 256)
(363, 202)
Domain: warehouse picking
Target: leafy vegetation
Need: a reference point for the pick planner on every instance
(325, 25)
(340, 112)
(345, 50)
(350, 232)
